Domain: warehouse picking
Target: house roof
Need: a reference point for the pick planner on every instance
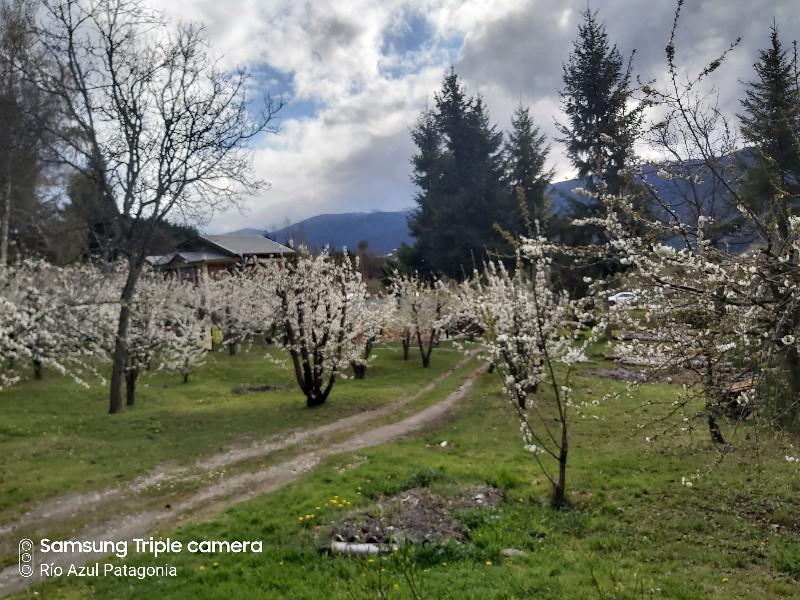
(242, 245)
(185, 257)
(158, 259)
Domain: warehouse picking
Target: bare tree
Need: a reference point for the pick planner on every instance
(152, 119)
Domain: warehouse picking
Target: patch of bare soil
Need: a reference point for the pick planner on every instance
(773, 514)
(415, 515)
(620, 374)
(677, 376)
(255, 389)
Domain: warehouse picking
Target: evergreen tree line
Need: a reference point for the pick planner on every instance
(468, 174)
(470, 178)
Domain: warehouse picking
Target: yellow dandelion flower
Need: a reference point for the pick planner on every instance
(488, 563)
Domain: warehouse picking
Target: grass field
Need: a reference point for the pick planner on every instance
(57, 437)
(634, 529)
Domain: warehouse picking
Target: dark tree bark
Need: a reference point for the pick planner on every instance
(560, 488)
(37, 369)
(120, 357)
(406, 344)
(131, 376)
(360, 369)
(714, 430)
(425, 352)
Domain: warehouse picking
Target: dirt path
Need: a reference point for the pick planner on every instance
(71, 507)
(227, 490)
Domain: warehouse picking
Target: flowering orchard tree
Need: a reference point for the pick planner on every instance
(10, 350)
(721, 289)
(400, 322)
(188, 335)
(167, 329)
(528, 330)
(52, 317)
(147, 333)
(422, 310)
(318, 316)
(371, 316)
(240, 303)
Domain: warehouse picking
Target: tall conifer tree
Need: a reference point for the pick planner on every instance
(601, 127)
(771, 123)
(458, 169)
(526, 152)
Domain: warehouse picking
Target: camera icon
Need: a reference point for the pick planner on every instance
(26, 557)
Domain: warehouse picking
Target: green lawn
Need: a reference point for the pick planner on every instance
(56, 437)
(634, 529)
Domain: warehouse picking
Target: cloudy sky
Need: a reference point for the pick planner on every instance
(357, 73)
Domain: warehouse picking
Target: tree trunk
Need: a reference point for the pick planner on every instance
(4, 225)
(713, 395)
(37, 369)
(560, 488)
(131, 375)
(121, 342)
(315, 399)
(714, 430)
(406, 347)
(793, 369)
(232, 349)
(359, 371)
(186, 376)
(425, 353)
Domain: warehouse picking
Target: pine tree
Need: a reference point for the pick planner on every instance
(458, 169)
(525, 154)
(771, 123)
(599, 136)
(602, 127)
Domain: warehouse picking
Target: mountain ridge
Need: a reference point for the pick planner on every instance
(385, 231)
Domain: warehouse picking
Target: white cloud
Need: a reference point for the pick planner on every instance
(353, 152)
